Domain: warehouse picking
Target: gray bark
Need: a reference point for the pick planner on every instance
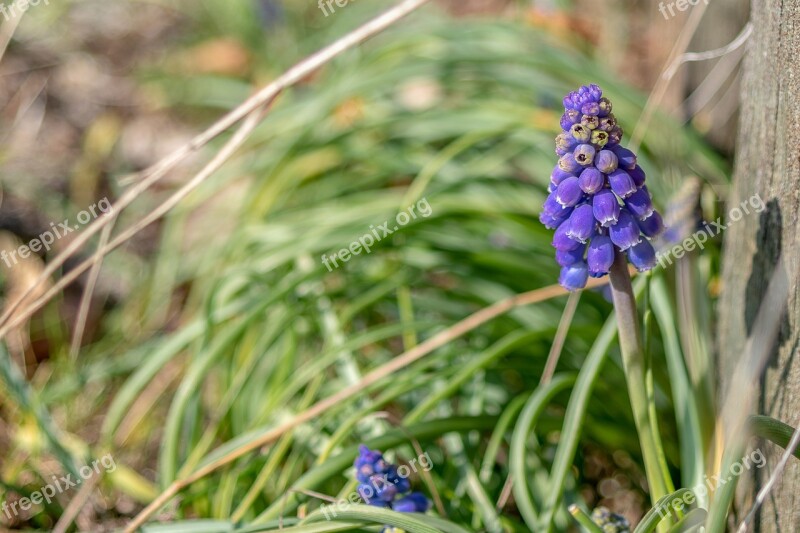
(768, 164)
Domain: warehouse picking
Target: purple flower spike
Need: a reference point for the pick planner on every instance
(605, 107)
(584, 154)
(600, 256)
(569, 192)
(627, 159)
(590, 122)
(551, 205)
(570, 117)
(368, 463)
(637, 175)
(558, 175)
(570, 257)
(639, 204)
(581, 223)
(556, 219)
(599, 138)
(605, 208)
(566, 142)
(568, 163)
(608, 123)
(548, 221)
(574, 277)
(561, 241)
(615, 137)
(625, 233)
(386, 487)
(621, 183)
(368, 494)
(569, 101)
(606, 161)
(598, 203)
(652, 226)
(385, 490)
(581, 133)
(552, 221)
(590, 108)
(413, 503)
(642, 256)
(591, 180)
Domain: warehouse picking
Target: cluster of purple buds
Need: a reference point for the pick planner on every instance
(380, 484)
(598, 201)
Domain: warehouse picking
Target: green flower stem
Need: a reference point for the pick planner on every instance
(630, 340)
(584, 519)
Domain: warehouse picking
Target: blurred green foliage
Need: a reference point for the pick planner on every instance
(459, 112)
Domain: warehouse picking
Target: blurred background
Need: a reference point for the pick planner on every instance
(219, 319)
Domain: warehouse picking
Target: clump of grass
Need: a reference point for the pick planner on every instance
(460, 114)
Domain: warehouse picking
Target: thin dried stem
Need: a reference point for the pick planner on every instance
(77, 504)
(86, 298)
(222, 156)
(689, 57)
(7, 32)
(561, 336)
(266, 95)
(505, 494)
(426, 476)
(773, 479)
(660, 89)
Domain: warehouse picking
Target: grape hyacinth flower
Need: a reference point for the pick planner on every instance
(610, 522)
(598, 203)
(603, 217)
(381, 484)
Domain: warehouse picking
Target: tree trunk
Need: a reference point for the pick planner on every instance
(768, 164)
